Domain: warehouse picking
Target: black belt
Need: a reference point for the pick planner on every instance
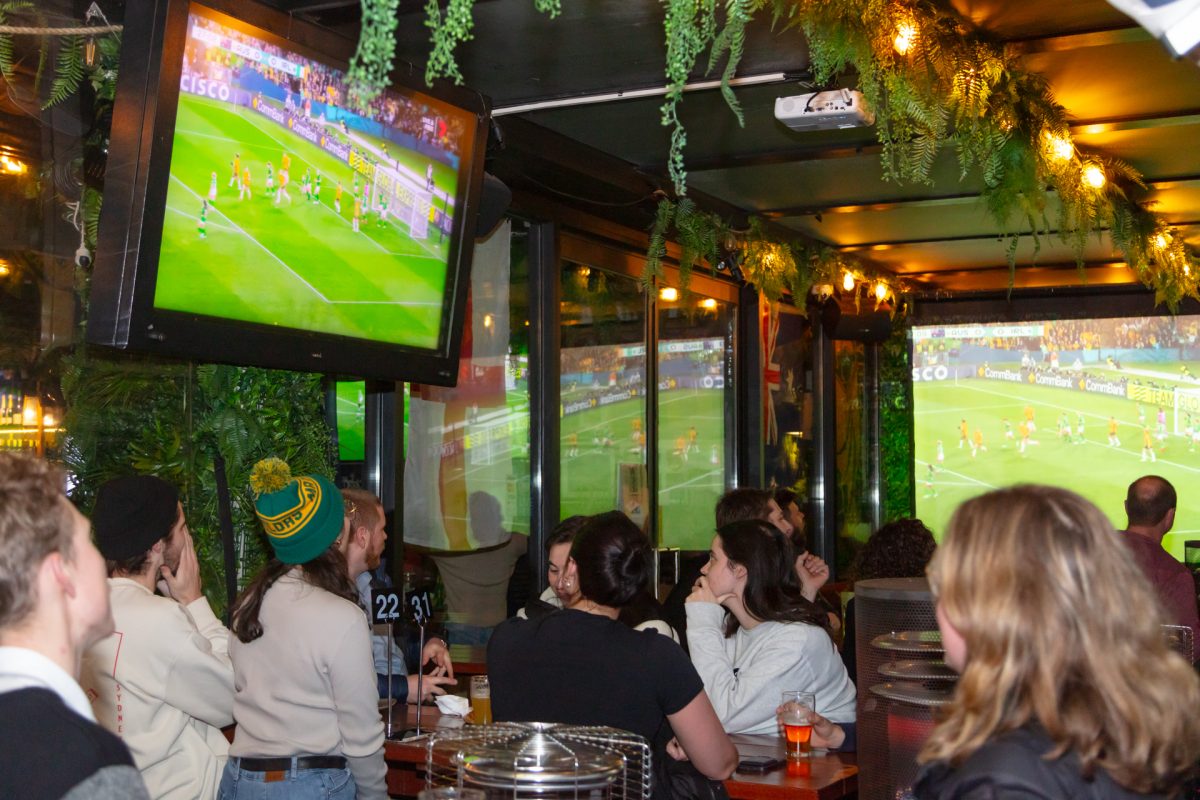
(285, 764)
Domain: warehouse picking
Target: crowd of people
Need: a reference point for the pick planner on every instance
(116, 678)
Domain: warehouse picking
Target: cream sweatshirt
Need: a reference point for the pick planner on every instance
(307, 685)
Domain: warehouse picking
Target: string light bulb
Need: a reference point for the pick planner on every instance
(1162, 240)
(906, 36)
(1060, 148)
(848, 282)
(668, 294)
(881, 291)
(1093, 176)
(89, 52)
(708, 304)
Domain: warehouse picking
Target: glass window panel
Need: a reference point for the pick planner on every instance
(466, 473)
(695, 395)
(789, 457)
(603, 405)
(853, 455)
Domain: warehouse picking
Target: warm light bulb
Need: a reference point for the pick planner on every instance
(906, 34)
(29, 414)
(1093, 176)
(881, 291)
(708, 304)
(5, 269)
(668, 293)
(1059, 147)
(1162, 240)
(48, 420)
(488, 321)
(13, 166)
(848, 282)
(585, 271)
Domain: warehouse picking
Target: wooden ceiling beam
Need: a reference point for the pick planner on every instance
(974, 237)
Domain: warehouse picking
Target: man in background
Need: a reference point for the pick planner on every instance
(53, 607)
(1150, 507)
(363, 549)
(163, 681)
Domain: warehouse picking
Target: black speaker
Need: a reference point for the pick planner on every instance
(870, 326)
(494, 200)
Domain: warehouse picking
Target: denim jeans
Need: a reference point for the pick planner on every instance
(307, 784)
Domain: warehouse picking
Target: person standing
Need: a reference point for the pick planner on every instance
(1150, 509)
(53, 607)
(307, 702)
(163, 681)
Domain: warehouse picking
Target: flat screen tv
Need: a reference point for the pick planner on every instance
(254, 214)
(1087, 404)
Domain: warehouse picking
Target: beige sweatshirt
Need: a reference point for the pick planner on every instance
(307, 685)
(163, 682)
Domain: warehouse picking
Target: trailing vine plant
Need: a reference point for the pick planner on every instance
(454, 28)
(372, 62)
(933, 80)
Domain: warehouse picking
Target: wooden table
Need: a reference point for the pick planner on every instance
(823, 777)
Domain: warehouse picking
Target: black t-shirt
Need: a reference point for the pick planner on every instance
(584, 669)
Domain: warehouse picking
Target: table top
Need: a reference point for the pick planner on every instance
(822, 777)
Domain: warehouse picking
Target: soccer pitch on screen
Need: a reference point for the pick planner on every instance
(994, 397)
(688, 486)
(299, 263)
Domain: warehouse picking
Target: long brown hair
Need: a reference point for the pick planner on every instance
(1061, 630)
(771, 593)
(327, 571)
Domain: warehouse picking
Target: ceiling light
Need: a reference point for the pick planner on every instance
(708, 304)
(1162, 240)
(881, 291)
(668, 294)
(5, 267)
(13, 166)
(1093, 176)
(848, 282)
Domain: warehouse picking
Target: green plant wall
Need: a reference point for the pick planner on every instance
(128, 415)
(896, 426)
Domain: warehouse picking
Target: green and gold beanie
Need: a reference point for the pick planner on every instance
(302, 515)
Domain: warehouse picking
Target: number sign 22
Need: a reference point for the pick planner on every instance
(388, 606)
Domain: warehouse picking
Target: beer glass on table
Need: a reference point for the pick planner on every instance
(481, 700)
(797, 718)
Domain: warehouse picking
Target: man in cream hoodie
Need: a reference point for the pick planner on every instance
(163, 681)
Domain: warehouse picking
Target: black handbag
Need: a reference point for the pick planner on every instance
(680, 780)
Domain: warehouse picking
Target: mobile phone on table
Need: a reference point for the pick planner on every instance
(759, 764)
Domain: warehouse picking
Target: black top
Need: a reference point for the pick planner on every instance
(584, 669)
(1012, 767)
(47, 750)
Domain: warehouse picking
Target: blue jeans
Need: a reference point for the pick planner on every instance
(307, 784)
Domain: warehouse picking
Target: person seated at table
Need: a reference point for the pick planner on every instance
(362, 547)
(307, 701)
(641, 613)
(1067, 688)
(751, 637)
(582, 666)
(900, 549)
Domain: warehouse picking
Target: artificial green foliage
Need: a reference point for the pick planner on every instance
(7, 51)
(663, 217)
(450, 30)
(138, 415)
(896, 426)
(372, 62)
(68, 70)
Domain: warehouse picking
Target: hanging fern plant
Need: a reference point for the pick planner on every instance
(448, 31)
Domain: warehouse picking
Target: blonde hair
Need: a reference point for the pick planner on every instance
(1061, 629)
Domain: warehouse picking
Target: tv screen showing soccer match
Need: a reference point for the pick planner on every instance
(291, 205)
(1088, 404)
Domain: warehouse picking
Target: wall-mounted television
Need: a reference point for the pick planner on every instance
(1087, 404)
(254, 214)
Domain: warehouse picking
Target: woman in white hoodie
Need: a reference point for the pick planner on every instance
(752, 638)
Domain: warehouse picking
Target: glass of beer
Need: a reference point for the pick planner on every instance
(797, 718)
(481, 700)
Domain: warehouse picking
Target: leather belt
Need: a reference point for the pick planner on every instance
(277, 768)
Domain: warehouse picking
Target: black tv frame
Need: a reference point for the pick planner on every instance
(121, 310)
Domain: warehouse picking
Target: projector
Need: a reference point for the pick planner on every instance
(839, 108)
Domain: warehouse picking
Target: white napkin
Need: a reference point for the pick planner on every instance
(453, 704)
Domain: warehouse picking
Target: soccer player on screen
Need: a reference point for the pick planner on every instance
(429, 177)
(1008, 432)
(572, 444)
(692, 436)
(381, 220)
(978, 445)
(316, 192)
(285, 162)
(337, 198)
(1029, 419)
(1162, 424)
(941, 455)
(212, 187)
(1023, 429)
(1113, 439)
(1148, 445)
(357, 213)
(270, 179)
(235, 167)
(930, 490)
(244, 188)
(963, 434)
(202, 223)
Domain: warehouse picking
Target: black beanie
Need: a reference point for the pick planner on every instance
(132, 514)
